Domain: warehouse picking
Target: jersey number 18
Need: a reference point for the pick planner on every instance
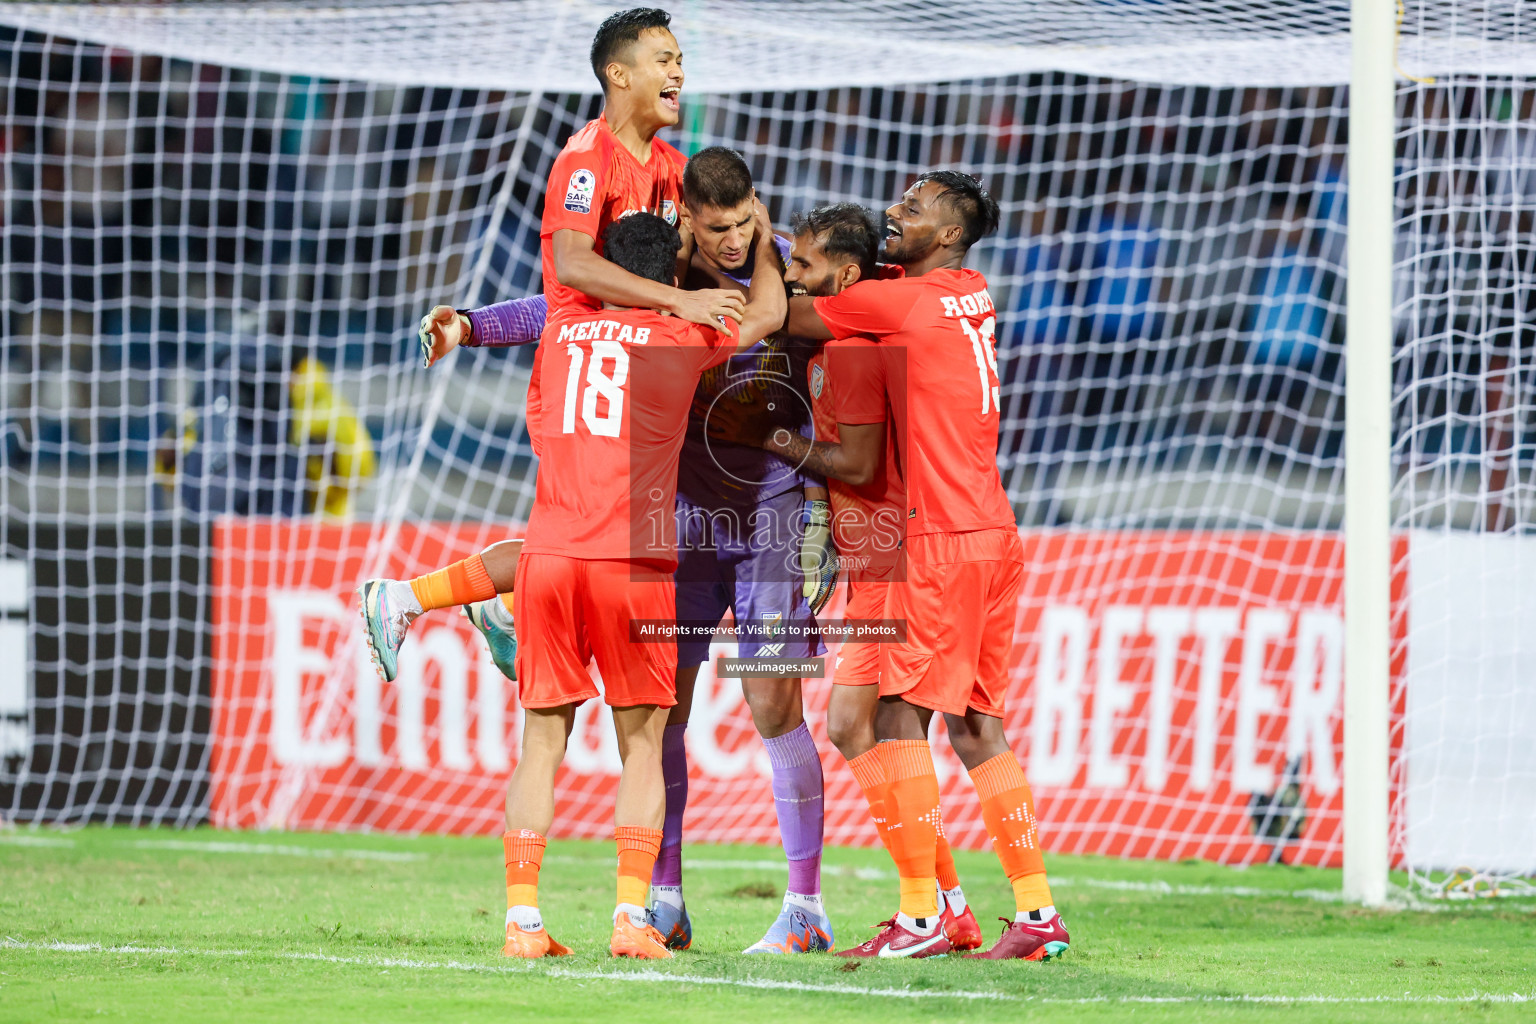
(599, 382)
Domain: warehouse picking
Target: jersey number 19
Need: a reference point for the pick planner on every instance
(986, 359)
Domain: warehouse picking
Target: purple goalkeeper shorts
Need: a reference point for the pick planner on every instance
(750, 563)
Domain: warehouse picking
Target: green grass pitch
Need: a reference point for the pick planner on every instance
(131, 924)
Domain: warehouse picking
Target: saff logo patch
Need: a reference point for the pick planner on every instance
(818, 378)
(578, 196)
(669, 212)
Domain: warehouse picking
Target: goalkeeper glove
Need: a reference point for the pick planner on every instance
(442, 330)
(818, 557)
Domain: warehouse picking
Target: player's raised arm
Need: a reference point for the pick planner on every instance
(854, 458)
(804, 322)
(766, 301)
(513, 322)
(578, 266)
(867, 308)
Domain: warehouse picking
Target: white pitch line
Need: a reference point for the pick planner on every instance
(266, 849)
(1403, 900)
(1123, 885)
(1170, 889)
(653, 976)
(224, 846)
(697, 863)
(31, 840)
(539, 970)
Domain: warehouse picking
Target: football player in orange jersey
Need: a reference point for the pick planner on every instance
(934, 327)
(747, 527)
(598, 560)
(614, 165)
(857, 453)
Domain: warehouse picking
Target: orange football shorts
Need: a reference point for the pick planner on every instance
(960, 603)
(571, 611)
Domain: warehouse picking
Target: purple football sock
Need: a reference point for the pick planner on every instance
(797, 799)
(674, 769)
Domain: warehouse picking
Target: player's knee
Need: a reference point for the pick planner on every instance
(839, 731)
(852, 735)
(895, 719)
(775, 718)
(975, 738)
(500, 562)
(542, 751)
(775, 705)
(966, 749)
(544, 733)
(639, 732)
(641, 746)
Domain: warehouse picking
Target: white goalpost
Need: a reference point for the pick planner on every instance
(1368, 450)
(1266, 291)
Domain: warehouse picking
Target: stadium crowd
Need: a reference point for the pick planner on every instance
(159, 211)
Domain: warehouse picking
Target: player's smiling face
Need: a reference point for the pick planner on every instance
(723, 237)
(913, 224)
(655, 72)
(810, 271)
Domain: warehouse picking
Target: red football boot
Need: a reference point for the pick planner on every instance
(896, 941)
(963, 931)
(1028, 940)
(870, 947)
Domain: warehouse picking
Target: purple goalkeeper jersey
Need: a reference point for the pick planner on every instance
(711, 474)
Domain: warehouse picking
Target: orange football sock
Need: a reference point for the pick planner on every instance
(869, 772)
(638, 848)
(944, 864)
(1008, 808)
(460, 583)
(915, 822)
(524, 850)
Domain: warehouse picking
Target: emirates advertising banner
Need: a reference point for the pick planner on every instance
(1175, 694)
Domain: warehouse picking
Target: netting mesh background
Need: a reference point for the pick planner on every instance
(1465, 304)
(189, 218)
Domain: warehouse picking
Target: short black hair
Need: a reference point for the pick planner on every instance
(717, 176)
(845, 230)
(643, 244)
(622, 29)
(963, 192)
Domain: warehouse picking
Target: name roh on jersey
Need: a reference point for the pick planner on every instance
(973, 304)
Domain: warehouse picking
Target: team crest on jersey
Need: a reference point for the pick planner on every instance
(773, 625)
(669, 212)
(578, 196)
(818, 378)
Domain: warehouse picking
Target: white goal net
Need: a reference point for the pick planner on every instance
(222, 220)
